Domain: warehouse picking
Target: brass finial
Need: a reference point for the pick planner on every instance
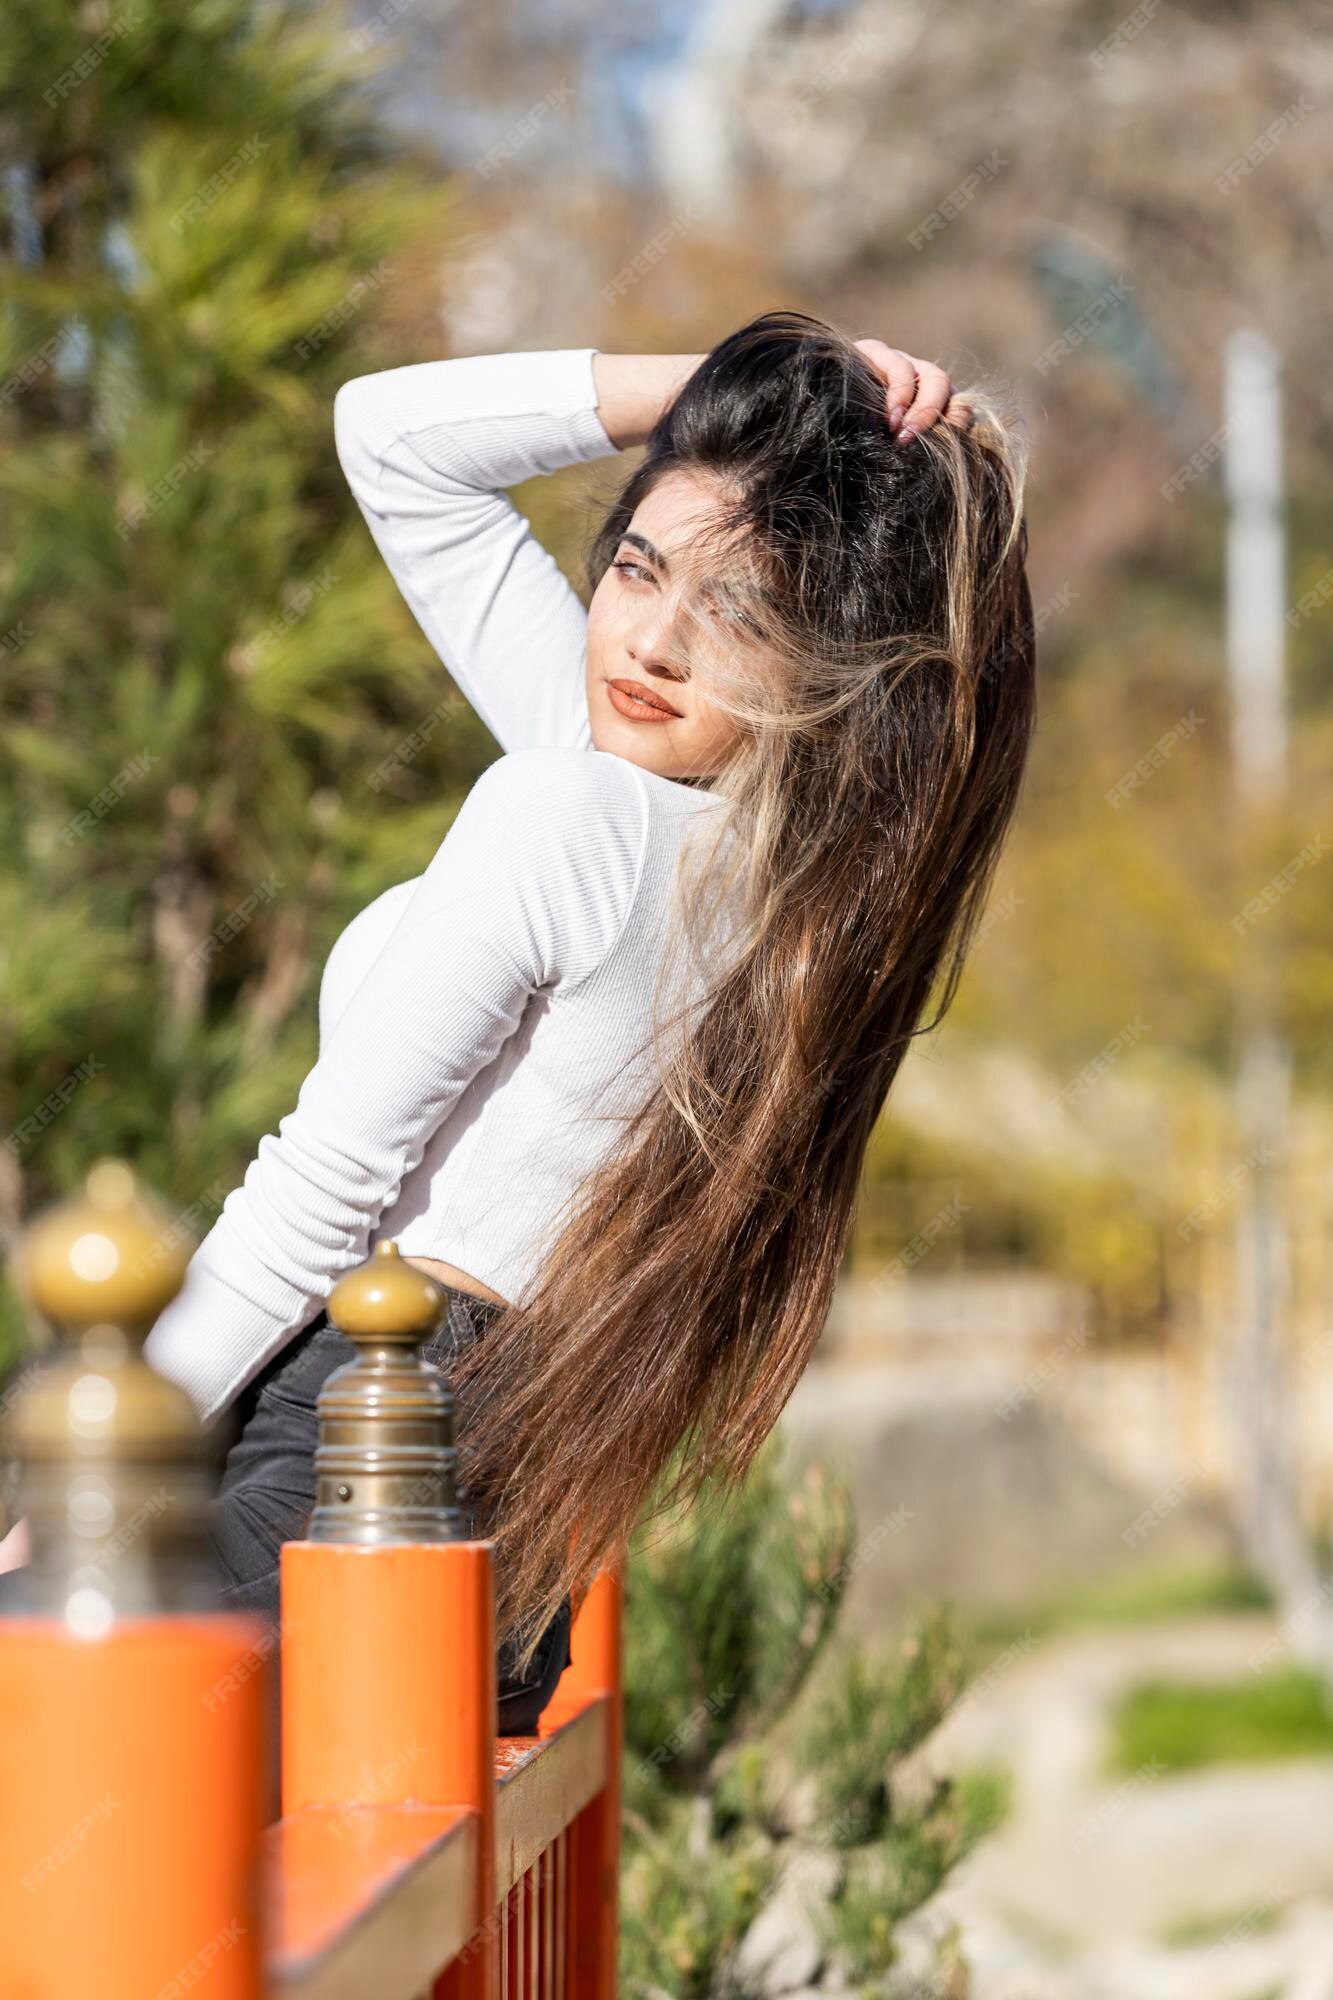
(112, 1253)
(112, 1468)
(385, 1466)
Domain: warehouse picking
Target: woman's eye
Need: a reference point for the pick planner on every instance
(637, 569)
(730, 612)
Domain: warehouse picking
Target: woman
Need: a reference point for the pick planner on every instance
(608, 1067)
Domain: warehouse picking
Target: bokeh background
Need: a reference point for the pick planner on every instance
(1017, 1666)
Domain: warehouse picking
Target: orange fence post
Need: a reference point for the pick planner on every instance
(132, 1715)
(133, 1811)
(388, 1660)
(365, 1717)
(597, 1668)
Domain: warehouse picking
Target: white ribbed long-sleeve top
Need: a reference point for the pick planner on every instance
(483, 1027)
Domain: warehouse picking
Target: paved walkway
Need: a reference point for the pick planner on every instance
(1079, 1893)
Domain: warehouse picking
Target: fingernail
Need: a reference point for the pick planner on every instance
(895, 418)
(906, 433)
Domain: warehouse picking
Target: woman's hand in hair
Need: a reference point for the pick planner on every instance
(919, 391)
(15, 1549)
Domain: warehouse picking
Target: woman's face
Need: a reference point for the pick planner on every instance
(636, 642)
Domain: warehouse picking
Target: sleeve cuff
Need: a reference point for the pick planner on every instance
(213, 1373)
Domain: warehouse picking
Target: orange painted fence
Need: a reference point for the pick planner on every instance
(489, 1868)
(415, 1854)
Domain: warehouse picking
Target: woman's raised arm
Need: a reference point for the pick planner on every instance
(428, 451)
(634, 389)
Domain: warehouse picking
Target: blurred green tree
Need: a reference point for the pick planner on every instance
(206, 666)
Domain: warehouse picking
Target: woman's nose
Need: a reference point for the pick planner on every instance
(649, 646)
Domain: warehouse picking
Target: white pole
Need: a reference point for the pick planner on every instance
(1256, 564)
(1270, 1508)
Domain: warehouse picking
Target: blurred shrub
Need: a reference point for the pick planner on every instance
(725, 1786)
(877, 1710)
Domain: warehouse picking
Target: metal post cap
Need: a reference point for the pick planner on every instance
(386, 1461)
(386, 1297)
(103, 1263)
(112, 1457)
(110, 1252)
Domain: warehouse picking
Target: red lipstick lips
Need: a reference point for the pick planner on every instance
(639, 703)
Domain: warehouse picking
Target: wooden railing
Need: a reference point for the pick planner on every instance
(415, 1854)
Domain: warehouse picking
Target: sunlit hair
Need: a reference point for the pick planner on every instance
(860, 609)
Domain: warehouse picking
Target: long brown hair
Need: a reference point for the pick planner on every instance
(862, 614)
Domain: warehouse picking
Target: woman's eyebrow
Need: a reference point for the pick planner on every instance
(653, 553)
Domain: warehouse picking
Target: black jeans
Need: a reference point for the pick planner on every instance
(267, 1490)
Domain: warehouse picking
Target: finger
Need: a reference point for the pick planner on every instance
(15, 1549)
(899, 373)
(932, 393)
